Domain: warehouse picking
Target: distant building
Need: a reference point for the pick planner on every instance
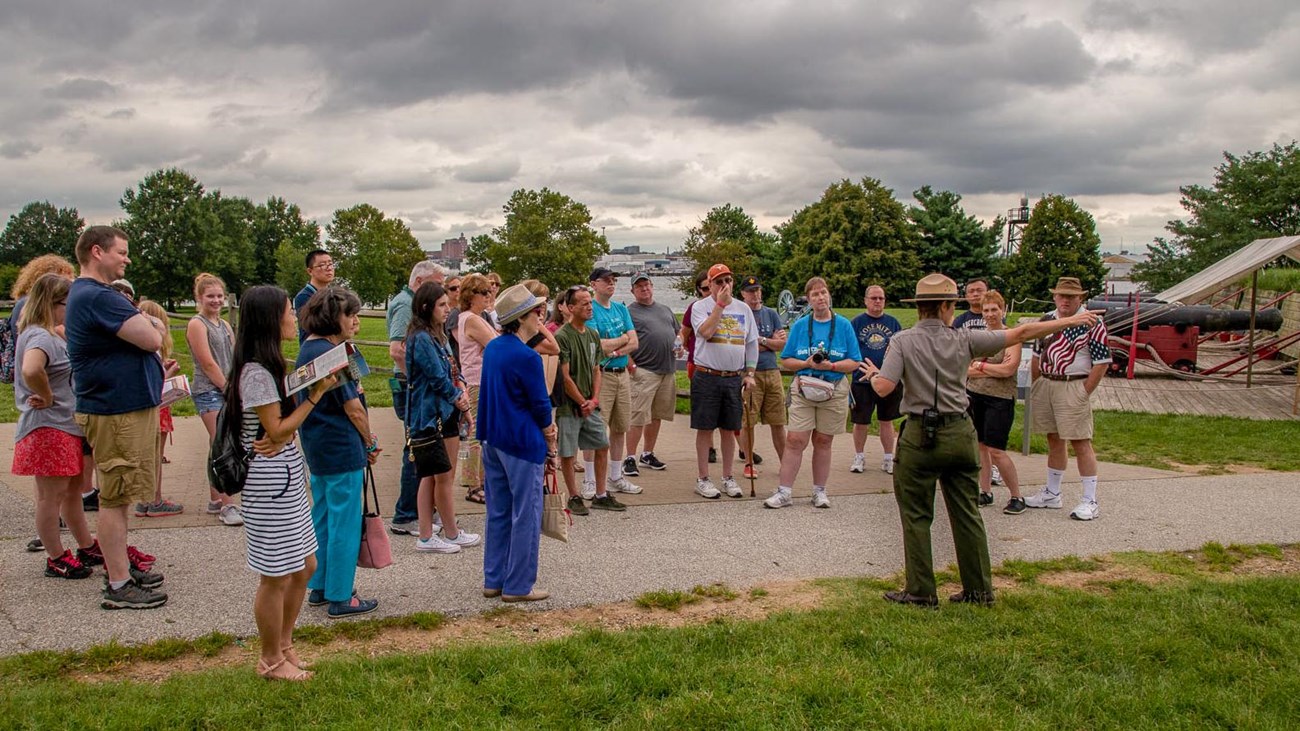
(451, 254)
(1119, 271)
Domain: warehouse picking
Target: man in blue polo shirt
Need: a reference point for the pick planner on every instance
(617, 338)
(117, 379)
(320, 273)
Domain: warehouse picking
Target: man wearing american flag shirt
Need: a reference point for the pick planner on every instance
(1067, 368)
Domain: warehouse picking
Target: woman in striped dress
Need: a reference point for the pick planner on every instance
(277, 517)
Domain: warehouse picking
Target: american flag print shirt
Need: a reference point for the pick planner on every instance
(1073, 351)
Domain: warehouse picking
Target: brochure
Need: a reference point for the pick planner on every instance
(175, 389)
(344, 361)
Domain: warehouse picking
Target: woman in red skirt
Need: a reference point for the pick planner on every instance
(48, 440)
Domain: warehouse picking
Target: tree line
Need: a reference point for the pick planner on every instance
(856, 233)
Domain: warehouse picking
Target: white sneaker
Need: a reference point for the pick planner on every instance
(997, 477)
(704, 488)
(464, 539)
(434, 544)
(588, 489)
(730, 487)
(230, 515)
(778, 500)
(1044, 499)
(820, 500)
(859, 464)
(622, 485)
(887, 466)
(1087, 510)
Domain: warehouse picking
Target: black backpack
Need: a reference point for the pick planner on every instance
(228, 460)
(8, 341)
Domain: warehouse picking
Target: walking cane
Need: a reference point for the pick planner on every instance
(749, 434)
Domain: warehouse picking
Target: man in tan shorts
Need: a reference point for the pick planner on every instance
(766, 401)
(1067, 368)
(117, 378)
(654, 379)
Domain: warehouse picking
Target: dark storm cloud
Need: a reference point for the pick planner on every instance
(488, 171)
(18, 149)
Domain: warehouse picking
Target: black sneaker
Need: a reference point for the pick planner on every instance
(577, 506)
(607, 502)
(758, 458)
(629, 466)
(986, 499)
(1015, 506)
(91, 556)
(35, 545)
(90, 503)
(650, 460)
(713, 456)
(66, 567)
(132, 596)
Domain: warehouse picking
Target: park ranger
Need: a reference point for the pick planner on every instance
(937, 441)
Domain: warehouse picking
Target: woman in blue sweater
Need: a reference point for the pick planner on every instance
(518, 439)
(435, 402)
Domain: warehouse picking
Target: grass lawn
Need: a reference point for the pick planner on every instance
(1191, 649)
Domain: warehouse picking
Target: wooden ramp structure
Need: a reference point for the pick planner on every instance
(1159, 395)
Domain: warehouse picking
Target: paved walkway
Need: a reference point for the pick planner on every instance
(669, 539)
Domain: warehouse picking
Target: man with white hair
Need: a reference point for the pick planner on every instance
(399, 317)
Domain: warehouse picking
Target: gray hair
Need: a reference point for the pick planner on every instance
(426, 269)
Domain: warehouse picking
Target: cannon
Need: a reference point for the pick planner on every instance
(1173, 332)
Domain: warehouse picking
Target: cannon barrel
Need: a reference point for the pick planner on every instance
(1208, 319)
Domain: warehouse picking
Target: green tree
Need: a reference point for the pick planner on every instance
(1253, 197)
(546, 236)
(40, 228)
(275, 224)
(952, 242)
(729, 235)
(1060, 240)
(290, 267)
(855, 235)
(230, 253)
(172, 225)
(374, 253)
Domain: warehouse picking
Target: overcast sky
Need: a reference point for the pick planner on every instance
(650, 113)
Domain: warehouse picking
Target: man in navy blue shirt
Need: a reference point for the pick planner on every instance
(117, 379)
(874, 329)
(320, 273)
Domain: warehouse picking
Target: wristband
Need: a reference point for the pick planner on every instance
(313, 403)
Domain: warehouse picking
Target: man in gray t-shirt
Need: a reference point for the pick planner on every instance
(654, 380)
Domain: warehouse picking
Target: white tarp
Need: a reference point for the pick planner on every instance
(1232, 269)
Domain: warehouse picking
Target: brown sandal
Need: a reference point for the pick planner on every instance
(475, 495)
(265, 671)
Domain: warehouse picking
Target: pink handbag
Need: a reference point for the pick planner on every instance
(376, 551)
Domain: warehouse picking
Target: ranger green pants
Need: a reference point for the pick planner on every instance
(954, 463)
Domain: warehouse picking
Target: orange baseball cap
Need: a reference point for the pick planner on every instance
(718, 270)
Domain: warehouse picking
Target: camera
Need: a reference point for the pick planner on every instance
(819, 355)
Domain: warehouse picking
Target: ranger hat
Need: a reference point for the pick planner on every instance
(1067, 286)
(935, 288)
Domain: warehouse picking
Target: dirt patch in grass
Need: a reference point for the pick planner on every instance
(506, 624)
(1091, 580)
(1215, 469)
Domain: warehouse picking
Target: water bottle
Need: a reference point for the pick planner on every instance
(677, 347)
(464, 428)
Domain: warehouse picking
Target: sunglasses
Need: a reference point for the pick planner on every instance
(454, 289)
(723, 280)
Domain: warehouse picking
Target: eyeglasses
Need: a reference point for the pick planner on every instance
(481, 291)
(724, 280)
(454, 289)
(323, 265)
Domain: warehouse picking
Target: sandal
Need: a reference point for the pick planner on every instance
(266, 671)
(292, 657)
(475, 495)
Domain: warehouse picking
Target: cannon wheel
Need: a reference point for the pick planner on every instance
(1184, 365)
(1118, 364)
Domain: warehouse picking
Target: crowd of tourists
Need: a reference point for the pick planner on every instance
(500, 387)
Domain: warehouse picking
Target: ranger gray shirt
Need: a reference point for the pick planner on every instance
(656, 329)
(915, 355)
